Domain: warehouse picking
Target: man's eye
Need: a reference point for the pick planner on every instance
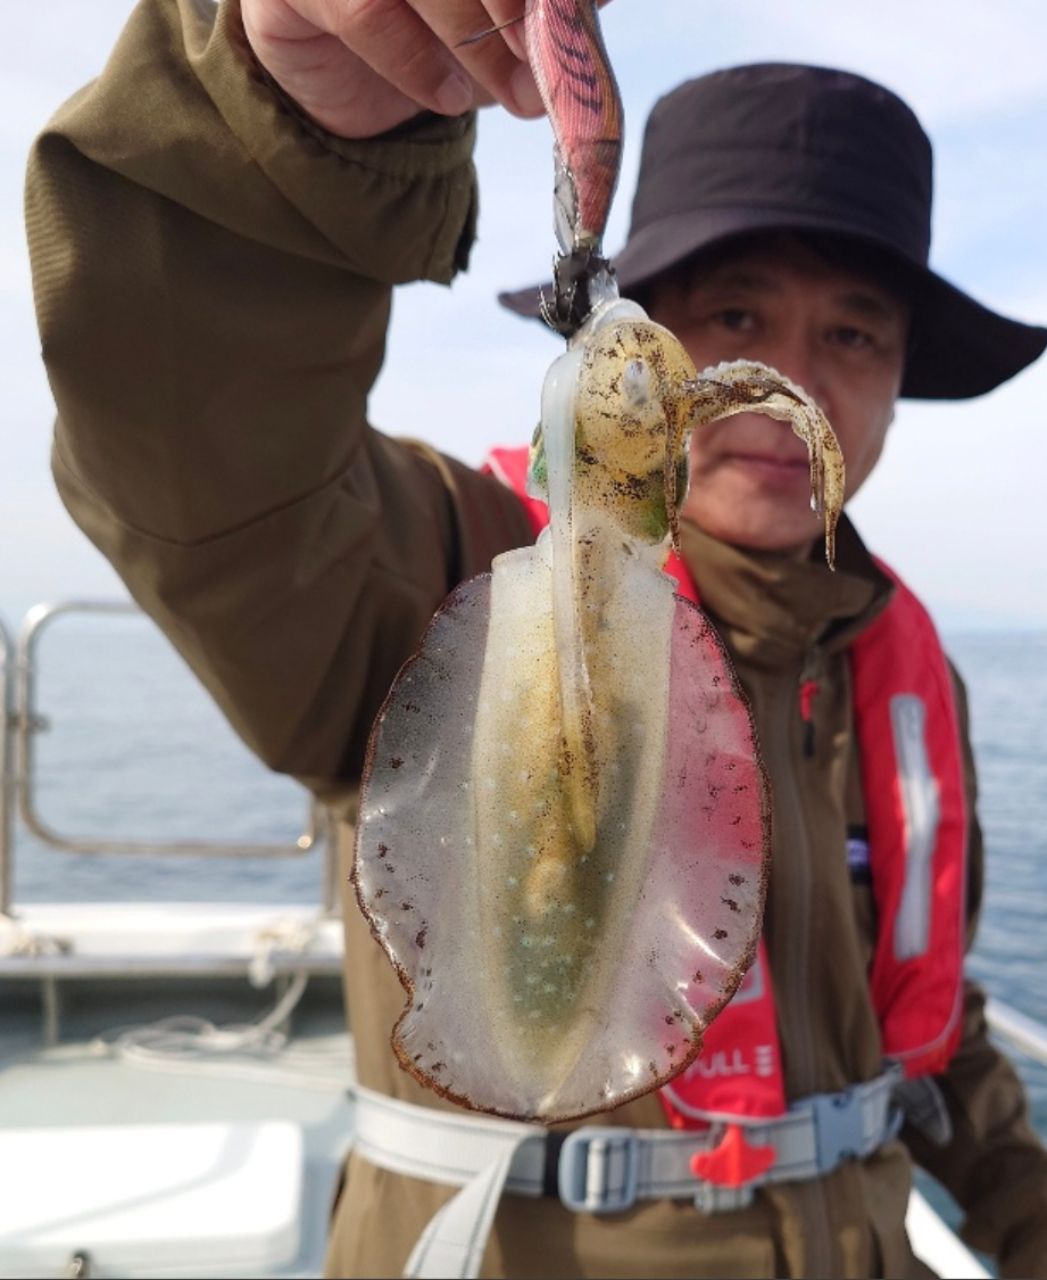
(736, 319)
(853, 339)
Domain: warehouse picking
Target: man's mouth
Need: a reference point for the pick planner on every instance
(770, 465)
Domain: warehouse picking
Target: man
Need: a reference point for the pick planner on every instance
(214, 247)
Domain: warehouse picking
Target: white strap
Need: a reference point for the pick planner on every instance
(453, 1243)
(472, 1152)
(444, 1146)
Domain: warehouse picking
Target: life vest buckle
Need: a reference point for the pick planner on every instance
(599, 1170)
(839, 1127)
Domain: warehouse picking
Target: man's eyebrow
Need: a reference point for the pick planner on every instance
(747, 279)
(871, 304)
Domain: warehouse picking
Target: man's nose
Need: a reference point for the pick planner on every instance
(796, 353)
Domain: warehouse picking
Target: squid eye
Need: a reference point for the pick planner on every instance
(636, 384)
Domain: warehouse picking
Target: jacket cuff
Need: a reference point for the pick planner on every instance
(397, 208)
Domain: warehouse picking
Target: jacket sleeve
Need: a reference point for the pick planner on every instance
(994, 1165)
(213, 275)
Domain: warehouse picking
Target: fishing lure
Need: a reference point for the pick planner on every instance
(580, 92)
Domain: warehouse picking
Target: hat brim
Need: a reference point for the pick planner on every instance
(958, 348)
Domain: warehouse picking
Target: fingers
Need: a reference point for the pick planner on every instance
(497, 63)
(361, 67)
(415, 46)
(512, 32)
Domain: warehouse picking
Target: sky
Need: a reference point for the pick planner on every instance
(959, 503)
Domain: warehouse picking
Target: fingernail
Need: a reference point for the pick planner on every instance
(455, 95)
(524, 92)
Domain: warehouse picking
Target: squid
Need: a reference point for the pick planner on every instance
(563, 837)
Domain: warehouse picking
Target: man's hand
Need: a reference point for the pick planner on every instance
(360, 67)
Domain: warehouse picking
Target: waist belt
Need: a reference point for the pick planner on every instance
(594, 1169)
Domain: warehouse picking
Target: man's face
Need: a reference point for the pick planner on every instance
(836, 333)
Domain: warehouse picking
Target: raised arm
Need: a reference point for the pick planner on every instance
(213, 272)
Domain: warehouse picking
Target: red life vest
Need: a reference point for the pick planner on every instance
(913, 784)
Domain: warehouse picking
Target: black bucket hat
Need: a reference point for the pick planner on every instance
(781, 147)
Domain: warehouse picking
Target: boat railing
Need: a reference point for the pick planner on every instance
(1019, 1030)
(7, 820)
(22, 721)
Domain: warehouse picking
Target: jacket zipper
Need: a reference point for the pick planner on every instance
(808, 690)
(796, 957)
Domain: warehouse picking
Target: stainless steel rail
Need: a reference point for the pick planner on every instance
(7, 807)
(1018, 1029)
(26, 722)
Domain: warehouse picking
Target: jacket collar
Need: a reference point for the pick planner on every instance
(775, 609)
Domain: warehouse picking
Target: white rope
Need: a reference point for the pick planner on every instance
(181, 1037)
(189, 1044)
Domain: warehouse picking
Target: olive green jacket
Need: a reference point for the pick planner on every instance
(213, 277)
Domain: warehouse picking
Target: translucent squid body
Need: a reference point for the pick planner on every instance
(563, 835)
